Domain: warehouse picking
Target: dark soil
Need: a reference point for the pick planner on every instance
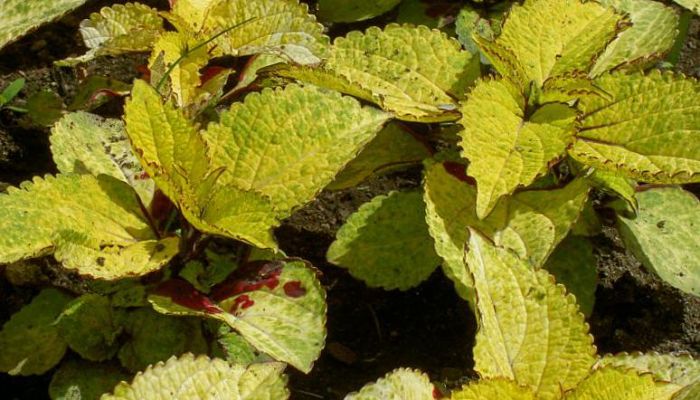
(370, 331)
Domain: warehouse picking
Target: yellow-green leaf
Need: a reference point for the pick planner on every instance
(290, 143)
(692, 5)
(353, 10)
(414, 72)
(653, 32)
(504, 149)
(619, 384)
(573, 264)
(30, 341)
(550, 37)
(121, 28)
(21, 16)
(664, 236)
(202, 378)
(648, 131)
(493, 389)
(95, 225)
(400, 384)
(386, 242)
(530, 330)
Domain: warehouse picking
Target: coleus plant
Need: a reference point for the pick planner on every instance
(149, 193)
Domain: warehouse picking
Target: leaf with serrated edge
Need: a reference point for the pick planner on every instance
(386, 242)
(692, 5)
(647, 132)
(393, 148)
(530, 330)
(573, 264)
(392, 68)
(504, 150)
(84, 380)
(121, 28)
(493, 389)
(653, 32)
(352, 11)
(400, 384)
(278, 306)
(21, 16)
(281, 27)
(681, 370)
(86, 143)
(619, 384)
(202, 378)
(615, 183)
(90, 222)
(663, 236)
(289, 143)
(531, 223)
(30, 341)
(551, 37)
(174, 154)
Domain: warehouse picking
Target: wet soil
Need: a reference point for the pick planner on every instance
(370, 331)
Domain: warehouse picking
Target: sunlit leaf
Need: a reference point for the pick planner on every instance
(20, 16)
(493, 389)
(619, 384)
(400, 384)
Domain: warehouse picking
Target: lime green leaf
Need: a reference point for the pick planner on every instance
(530, 330)
(613, 182)
(277, 306)
(653, 32)
(155, 337)
(471, 22)
(11, 91)
(573, 264)
(568, 88)
(85, 143)
(506, 151)
(121, 28)
(692, 5)
(89, 221)
(664, 237)
(280, 27)
(235, 347)
(400, 384)
(87, 326)
(392, 68)
(207, 379)
(184, 77)
(351, 11)
(393, 148)
(30, 342)
(386, 242)
(550, 37)
(20, 17)
(289, 143)
(617, 384)
(174, 154)
(84, 380)
(647, 132)
(493, 389)
(680, 370)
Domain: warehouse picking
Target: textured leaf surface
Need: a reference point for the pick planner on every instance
(504, 150)
(96, 226)
(278, 306)
(573, 264)
(351, 11)
(30, 342)
(648, 131)
(121, 28)
(87, 326)
(680, 370)
(531, 223)
(184, 78)
(85, 143)
(550, 37)
(202, 378)
(84, 380)
(664, 236)
(692, 5)
(289, 143)
(530, 330)
(413, 72)
(400, 384)
(174, 154)
(617, 384)
(21, 16)
(392, 148)
(493, 389)
(386, 242)
(614, 183)
(653, 32)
